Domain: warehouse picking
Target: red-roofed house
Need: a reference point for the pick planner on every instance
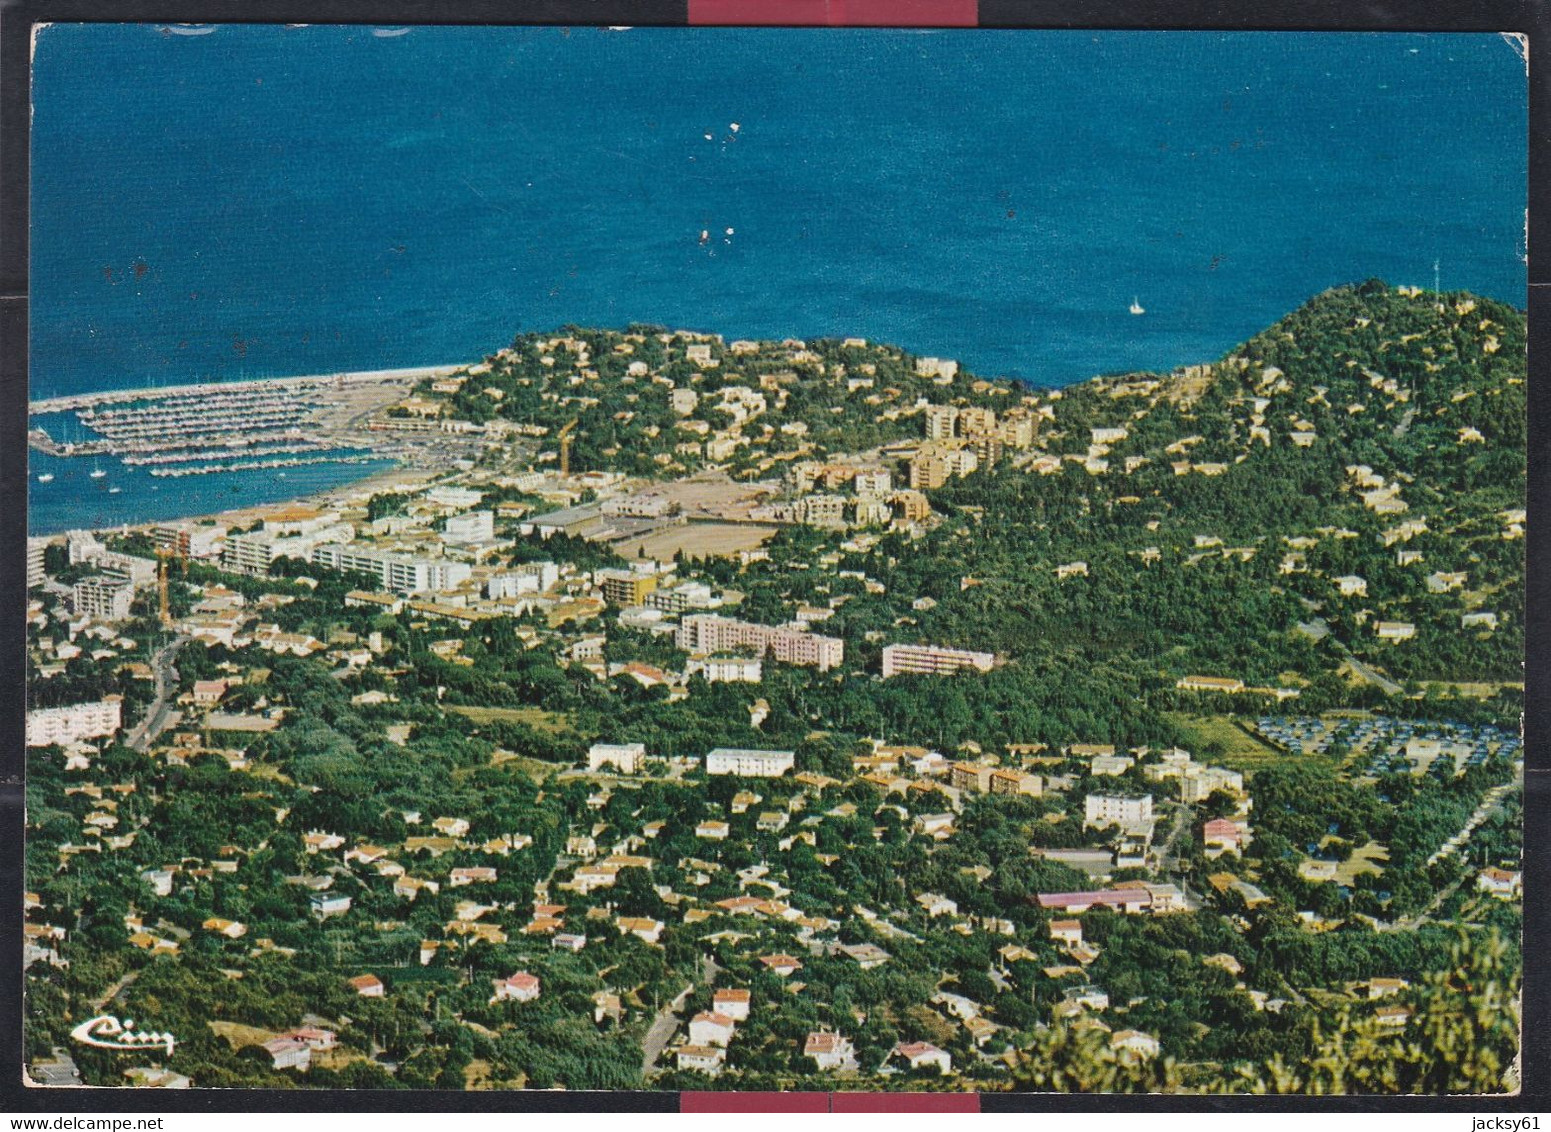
(710, 1029)
(643, 927)
(919, 1055)
(368, 986)
(828, 1051)
(289, 1053)
(1221, 836)
(314, 1037)
(1135, 1043)
(209, 692)
(1381, 987)
(783, 965)
(521, 987)
(1500, 883)
(1068, 932)
(703, 1059)
(734, 1003)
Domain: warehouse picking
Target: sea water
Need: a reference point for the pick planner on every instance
(267, 200)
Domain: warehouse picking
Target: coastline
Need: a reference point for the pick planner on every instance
(387, 479)
(397, 477)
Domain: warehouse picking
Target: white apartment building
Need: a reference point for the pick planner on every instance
(726, 669)
(975, 421)
(252, 552)
(627, 758)
(940, 421)
(931, 660)
(77, 722)
(394, 572)
(749, 764)
(510, 585)
(1114, 809)
(822, 510)
(83, 547)
(527, 578)
(476, 526)
(1198, 783)
(191, 540)
(685, 595)
(711, 633)
(449, 496)
(873, 483)
(36, 575)
(103, 597)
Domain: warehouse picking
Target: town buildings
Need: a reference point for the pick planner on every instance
(712, 633)
(1112, 809)
(749, 763)
(627, 758)
(74, 723)
(828, 1051)
(932, 660)
(104, 597)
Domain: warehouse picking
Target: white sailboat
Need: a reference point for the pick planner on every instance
(1136, 307)
(97, 473)
(46, 477)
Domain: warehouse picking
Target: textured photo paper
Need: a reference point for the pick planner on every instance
(778, 560)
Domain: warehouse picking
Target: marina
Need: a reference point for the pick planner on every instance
(254, 465)
(211, 428)
(134, 455)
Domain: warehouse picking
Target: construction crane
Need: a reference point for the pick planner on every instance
(163, 554)
(564, 436)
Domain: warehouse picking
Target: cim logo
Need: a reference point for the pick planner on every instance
(107, 1032)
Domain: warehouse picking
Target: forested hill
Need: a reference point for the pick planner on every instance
(1359, 463)
(1428, 386)
(1357, 466)
(1396, 376)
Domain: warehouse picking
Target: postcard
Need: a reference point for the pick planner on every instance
(775, 559)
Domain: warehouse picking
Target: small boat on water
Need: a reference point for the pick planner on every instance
(97, 473)
(114, 490)
(1136, 307)
(46, 477)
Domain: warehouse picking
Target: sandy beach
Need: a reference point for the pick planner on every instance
(387, 480)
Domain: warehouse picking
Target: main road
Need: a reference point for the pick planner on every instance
(155, 717)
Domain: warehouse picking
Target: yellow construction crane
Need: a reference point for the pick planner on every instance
(564, 436)
(163, 554)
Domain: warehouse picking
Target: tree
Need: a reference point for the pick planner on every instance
(1462, 1038)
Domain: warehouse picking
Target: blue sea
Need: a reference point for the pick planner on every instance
(269, 200)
